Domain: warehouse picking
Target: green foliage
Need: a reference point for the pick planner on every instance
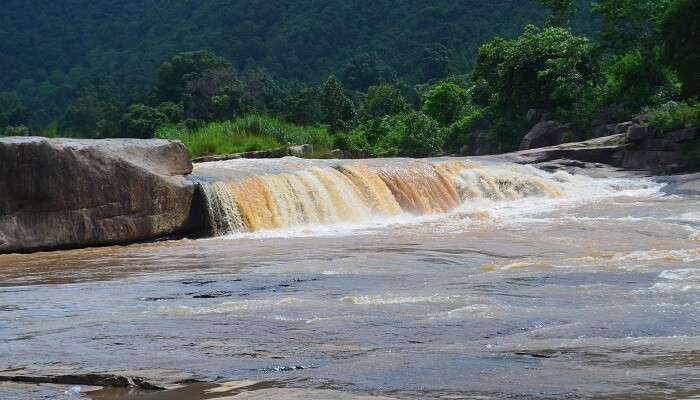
(12, 111)
(681, 43)
(251, 132)
(435, 62)
(445, 102)
(141, 121)
(382, 101)
(115, 47)
(174, 74)
(18, 130)
(366, 70)
(413, 135)
(304, 106)
(630, 24)
(212, 95)
(93, 117)
(673, 116)
(173, 111)
(337, 108)
(549, 69)
(636, 79)
(561, 12)
(459, 132)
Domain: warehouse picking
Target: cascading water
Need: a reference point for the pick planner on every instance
(331, 194)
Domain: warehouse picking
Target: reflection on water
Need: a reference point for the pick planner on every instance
(531, 285)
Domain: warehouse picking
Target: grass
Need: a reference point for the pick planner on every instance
(252, 132)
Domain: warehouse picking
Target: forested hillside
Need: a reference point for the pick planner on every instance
(52, 52)
(410, 78)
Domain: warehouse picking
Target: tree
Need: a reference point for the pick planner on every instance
(549, 69)
(543, 68)
(366, 70)
(12, 111)
(92, 115)
(445, 102)
(561, 12)
(415, 135)
(213, 95)
(174, 74)
(630, 24)
(141, 121)
(304, 106)
(435, 62)
(338, 110)
(681, 43)
(384, 100)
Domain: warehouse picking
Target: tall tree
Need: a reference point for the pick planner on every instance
(338, 110)
(681, 43)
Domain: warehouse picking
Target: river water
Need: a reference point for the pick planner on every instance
(386, 279)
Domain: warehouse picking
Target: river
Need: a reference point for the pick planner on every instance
(378, 279)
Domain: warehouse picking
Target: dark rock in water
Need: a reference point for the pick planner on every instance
(544, 134)
(65, 193)
(109, 380)
(684, 135)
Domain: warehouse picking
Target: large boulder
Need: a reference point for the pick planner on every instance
(544, 134)
(65, 193)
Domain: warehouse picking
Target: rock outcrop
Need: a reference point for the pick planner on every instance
(66, 193)
(544, 134)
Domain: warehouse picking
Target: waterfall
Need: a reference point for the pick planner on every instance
(324, 195)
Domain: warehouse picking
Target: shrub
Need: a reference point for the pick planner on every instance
(445, 102)
(677, 115)
(413, 135)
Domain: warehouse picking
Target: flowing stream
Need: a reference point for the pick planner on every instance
(404, 279)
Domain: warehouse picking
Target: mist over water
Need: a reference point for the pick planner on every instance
(398, 278)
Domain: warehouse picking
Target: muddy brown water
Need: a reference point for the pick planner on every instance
(536, 286)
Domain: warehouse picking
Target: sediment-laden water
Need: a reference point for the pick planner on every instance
(383, 278)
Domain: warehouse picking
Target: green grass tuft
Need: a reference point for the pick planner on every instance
(252, 132)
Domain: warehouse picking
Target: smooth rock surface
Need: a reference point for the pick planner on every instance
(64, 193)
(544, 134)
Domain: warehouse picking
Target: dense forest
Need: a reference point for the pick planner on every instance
(414, 77)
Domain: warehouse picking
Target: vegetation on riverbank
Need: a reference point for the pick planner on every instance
(642, 60)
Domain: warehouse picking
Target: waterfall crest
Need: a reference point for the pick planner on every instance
(324, 195)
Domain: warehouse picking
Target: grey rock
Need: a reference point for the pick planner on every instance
(645, 118)
(336, 153)
(301, 150)
(638, 133)
(623, 127)
(601, 130)
(535, 115)
(65, 193)
(544, 134)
